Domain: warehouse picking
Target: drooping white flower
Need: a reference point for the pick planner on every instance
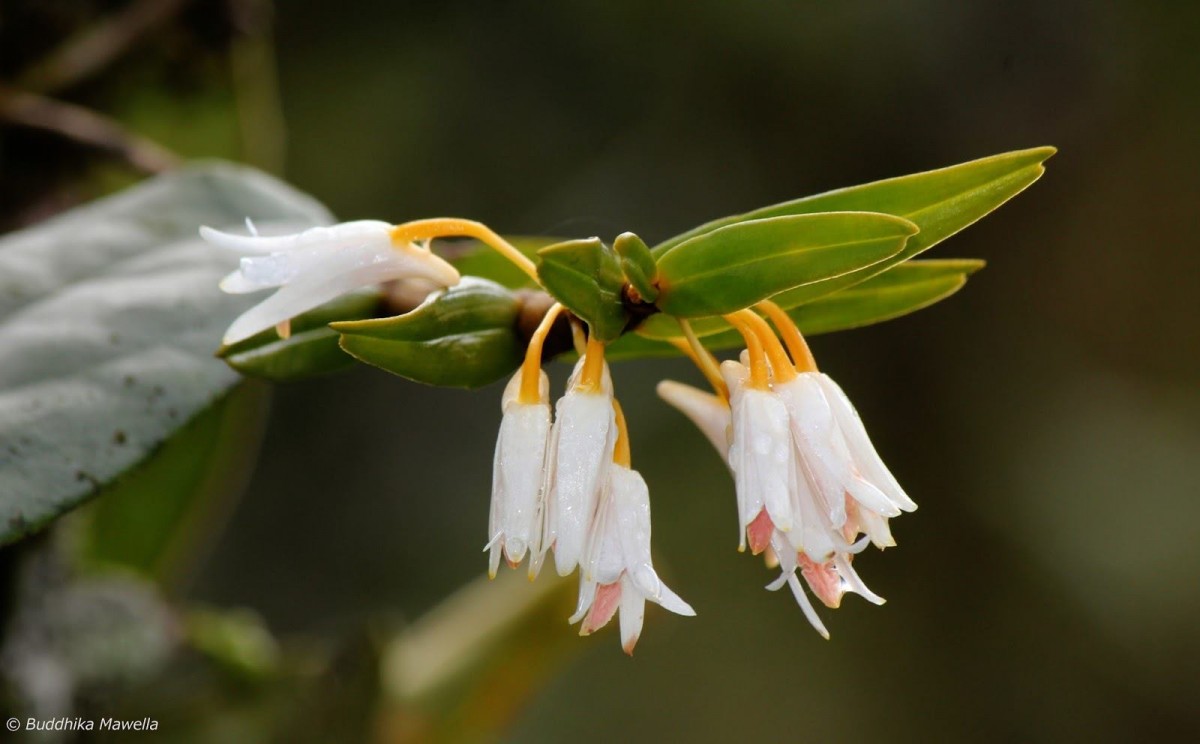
(316, 266)
(616, 572)
(581, 448)
(842, 477)
(518, 473)
(762, 458)
(841, 487)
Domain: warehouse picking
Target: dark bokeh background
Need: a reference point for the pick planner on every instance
(1047, 420)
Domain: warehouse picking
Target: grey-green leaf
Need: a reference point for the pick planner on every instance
(108, 319)
(312, 348)
(735, 266)
(465, 336)
(586, 278)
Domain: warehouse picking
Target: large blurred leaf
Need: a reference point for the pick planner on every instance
(462, 671)
(735, 266)
(904, 289)
(153, 517)
(108, 319)
(462, 337)
(585, 276)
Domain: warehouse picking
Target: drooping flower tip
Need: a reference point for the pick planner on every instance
(317, 265)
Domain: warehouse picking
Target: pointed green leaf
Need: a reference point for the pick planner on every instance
(108, 318)
(735, 266)
(586, 278)
(462, 337)
(637, 263)
(904, 289)
(940, 202)
(312, 348)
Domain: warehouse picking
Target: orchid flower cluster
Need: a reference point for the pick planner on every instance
(808, 480)
(811, 491)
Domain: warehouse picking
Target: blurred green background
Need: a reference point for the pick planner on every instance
(1047, 419)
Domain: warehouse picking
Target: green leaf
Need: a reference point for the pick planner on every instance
(474, 258)
(736, 266)
(312, 348)
(637, 263)
(108, 318)
(940, 202)
(586, 278)
(463, 337)
(903, 289)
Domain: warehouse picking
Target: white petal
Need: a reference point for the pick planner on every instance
(631, 499)
(806, 606)
(603, 560)
(333, 276)
(861, 449)
(342, 235)
(760, 453)
(853, 581)
(236, 283)
(708, 412)
(877, 528)
(632, 613)
(586, 436)
(521, 454)
(669, 600)
(587, 595)
(812, 429)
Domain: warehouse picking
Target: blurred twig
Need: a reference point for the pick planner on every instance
(85, 126)
(256, 85)
(92, 49)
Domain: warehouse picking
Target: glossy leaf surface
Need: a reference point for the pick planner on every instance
(733, 267)
(462, 337)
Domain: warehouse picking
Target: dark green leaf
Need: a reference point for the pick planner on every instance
(586, 278)
(638, 265)
(462, 337)
(311, 349)
(733, 267)
(899, 291)
(108, 319)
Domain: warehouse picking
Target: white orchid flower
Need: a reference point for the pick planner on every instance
(762, 458)
(581, 447)
(518, 472)
(616, 573)
(315, 266)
